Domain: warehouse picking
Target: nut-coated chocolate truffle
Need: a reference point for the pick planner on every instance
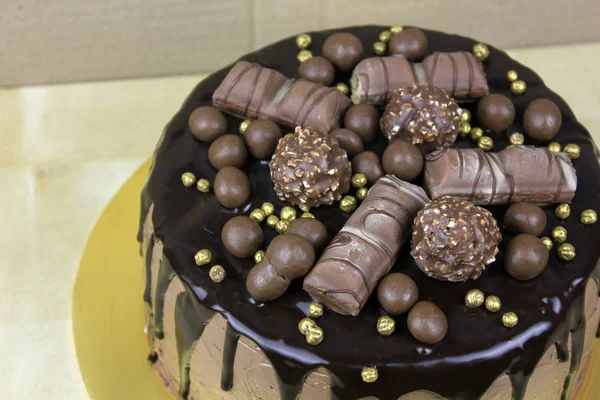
(495, 112)
(242, 236)
(410, 43)
(317, 69)
(310, 169)
(368, 163)
(427, 323)
(363, 119)
(343, 49)
(310, 229)
(207, 124)
(525, 218)
(526, 257)
(453, 240)
(348, 140)
(262, 137)
(423, 115)
(228, 151)
(397, 293)
(403, 159)
(542, 120)
(231, 187)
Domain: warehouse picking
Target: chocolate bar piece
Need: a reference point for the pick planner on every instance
(366, 247)
(252, 91)
(458, 73)
(523, 173)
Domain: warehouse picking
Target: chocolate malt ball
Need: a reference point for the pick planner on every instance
(526, 257)
(525, 218)
(363, 119)
(231, 187)
(242, 236)
(427, 322)
(495, 112)
(207, 124)
(317, 69)
(228, 151)
(542, 120)
(343, 49)
(261, 137)
(410, 43)
(453, 240)
(397, 293)
(310, 169)
(424, 115)
(403, 159)
(348, 140)
(368, 163)
(310, 229)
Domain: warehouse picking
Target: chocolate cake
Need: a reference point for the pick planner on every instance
(395, 289)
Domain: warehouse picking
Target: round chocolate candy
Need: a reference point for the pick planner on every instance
(317, 69)
(525, 218)
(526, 257)
(427, 323)
(343, 49)
(312, 230)
(495, 112)
(368, 163)
(542, 120)
(364, 120)
(348, 140)
(242, 236)
(231, 187)
(262, 137)
(397, 293)
(207, 124)
(228, 151)
(403, 159)
(264, 282)
(410, 43)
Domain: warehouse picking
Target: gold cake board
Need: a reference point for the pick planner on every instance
(108, 314)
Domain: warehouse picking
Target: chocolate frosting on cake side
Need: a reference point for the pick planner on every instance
(477, 348)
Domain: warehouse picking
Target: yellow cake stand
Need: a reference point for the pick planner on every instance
(108, 314)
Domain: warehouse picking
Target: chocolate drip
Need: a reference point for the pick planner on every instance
(148, 266)
(165, 272)
(229, 350)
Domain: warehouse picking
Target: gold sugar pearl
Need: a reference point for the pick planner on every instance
(244, 125)
(272, 221)
(464, 128)
(258, 256)
(465, 116)
(359, 180)
(379, 48)
(554, 147)
(348, 203)
(547, 242)
(512, 75)
(562, 211)
(481, 51)
(304, 55)
(307, 215)
(385, 36)
(396, 29)
(217, 273)
(518, 87)
(203, 185)
(303, 41)
(314, 336)
(203, 257)
(343, 88)
(476, 133)
(361, 193)
(188, 179)
(268, 209)
(516, 138)
(386, 325)
(589, 217)
(493, 303)
(315, 310)
(369, 374)
(287, 214)
(566, 251)
(474, 298)
(305, 325)
(572, 151)
(559, 234)
(510, 319)
(485, 143)
(258, 215)
(281, 226)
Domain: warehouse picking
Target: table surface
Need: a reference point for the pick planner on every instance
(67, 149)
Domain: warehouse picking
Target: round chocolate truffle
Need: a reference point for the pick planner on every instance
(410, 43)
(207, 124)
(495, 112)
(310, 229)
(427, 323)
(227, 151)
(363, 119)
(368, 163)
(525, 218)
(542, 120)
(349, 141)
(242, 236)
(397, 293)
(403, 159)
(423, 115)
(526, 257)
(343, 49)
(231, 187)
(317, 69)
(310, 169)
(453, 240)
(262, 137)
(264, 282)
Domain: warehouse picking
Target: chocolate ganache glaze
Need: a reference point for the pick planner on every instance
(477, 348)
